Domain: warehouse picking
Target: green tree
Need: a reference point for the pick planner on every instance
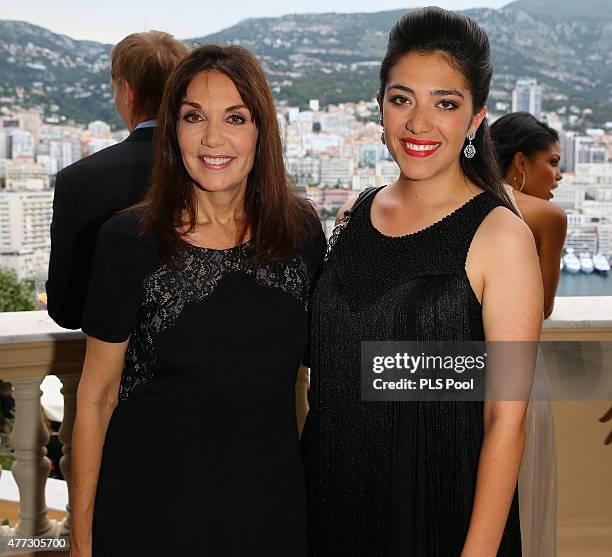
(15, 295)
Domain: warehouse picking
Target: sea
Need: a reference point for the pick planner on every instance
(581, 284)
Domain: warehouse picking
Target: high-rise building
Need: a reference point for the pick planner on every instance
(25, 244)
(527, 97)
(567, 143)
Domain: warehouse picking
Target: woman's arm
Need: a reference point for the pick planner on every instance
(551, 229)
(504, 252)
(97, 397)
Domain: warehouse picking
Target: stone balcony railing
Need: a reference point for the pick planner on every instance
(32, 346)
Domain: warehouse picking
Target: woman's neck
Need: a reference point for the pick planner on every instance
(225, 208)
(444, 188)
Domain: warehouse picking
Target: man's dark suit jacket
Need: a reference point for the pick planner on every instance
(87, 194)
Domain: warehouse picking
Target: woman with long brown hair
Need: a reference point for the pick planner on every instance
(196, 321)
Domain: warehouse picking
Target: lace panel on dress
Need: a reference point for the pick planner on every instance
(166, 292)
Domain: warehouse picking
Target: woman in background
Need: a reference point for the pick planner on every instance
(529, 154)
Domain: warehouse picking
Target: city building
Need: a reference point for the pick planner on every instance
(386, 172)
(25, 175)
(304, 170)
(20, 144)
(25, 218)
(567, 144)
(527, 97)
(569, 197)
(97, 144)
(99, 129)
(604, 239)
(337, 171)
(582, 239)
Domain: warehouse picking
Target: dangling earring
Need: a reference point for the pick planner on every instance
(470, 150)
(524, 180)
(382, 135)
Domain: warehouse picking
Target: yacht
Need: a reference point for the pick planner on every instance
(570, 262)
(601, 264)
(586, 263)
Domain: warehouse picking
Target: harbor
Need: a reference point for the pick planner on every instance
(583, 275)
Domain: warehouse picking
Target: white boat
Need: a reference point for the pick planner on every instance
(586, 263)
(571, 263)
(561, 264)
(601, 264)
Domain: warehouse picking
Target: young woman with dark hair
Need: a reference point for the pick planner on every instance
(529, 154)
(197, 309)
(426, 258)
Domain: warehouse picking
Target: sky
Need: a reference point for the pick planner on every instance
(110, 20)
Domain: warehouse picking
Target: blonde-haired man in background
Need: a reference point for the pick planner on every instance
(90, 191)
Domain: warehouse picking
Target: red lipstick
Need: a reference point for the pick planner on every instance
(428, 147)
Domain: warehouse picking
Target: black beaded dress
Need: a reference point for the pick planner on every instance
(202, 455)
(393, 479)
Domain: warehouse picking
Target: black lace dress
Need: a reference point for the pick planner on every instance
(393, 479)
(202, 455)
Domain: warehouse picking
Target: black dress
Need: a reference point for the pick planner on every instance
(393, 479)
(202, 455)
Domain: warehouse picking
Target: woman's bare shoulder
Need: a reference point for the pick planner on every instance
(542, 215)
(501, 232)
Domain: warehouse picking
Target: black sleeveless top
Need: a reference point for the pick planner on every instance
(393, 479)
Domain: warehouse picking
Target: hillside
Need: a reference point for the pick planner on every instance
(333, 57)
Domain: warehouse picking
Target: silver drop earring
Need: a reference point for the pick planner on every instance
(470, 150)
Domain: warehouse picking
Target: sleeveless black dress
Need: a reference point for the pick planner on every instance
(391, 479)
(202, 455)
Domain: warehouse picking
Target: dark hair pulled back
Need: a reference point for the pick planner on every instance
(466, 47)
(520, 132)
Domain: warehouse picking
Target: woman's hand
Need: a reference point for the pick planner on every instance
(80, 548)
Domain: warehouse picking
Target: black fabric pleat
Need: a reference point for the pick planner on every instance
(393, 479)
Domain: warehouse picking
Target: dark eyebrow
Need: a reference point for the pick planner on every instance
(447, 92)
(228, 109)
(401, 88)
(434, 93)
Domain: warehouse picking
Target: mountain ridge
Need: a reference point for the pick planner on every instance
(331, 56)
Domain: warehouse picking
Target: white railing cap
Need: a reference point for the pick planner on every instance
(33, 326)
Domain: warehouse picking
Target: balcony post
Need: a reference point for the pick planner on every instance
(31, 467)
(69, 389)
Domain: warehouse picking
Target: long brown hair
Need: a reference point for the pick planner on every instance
(276, 217)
